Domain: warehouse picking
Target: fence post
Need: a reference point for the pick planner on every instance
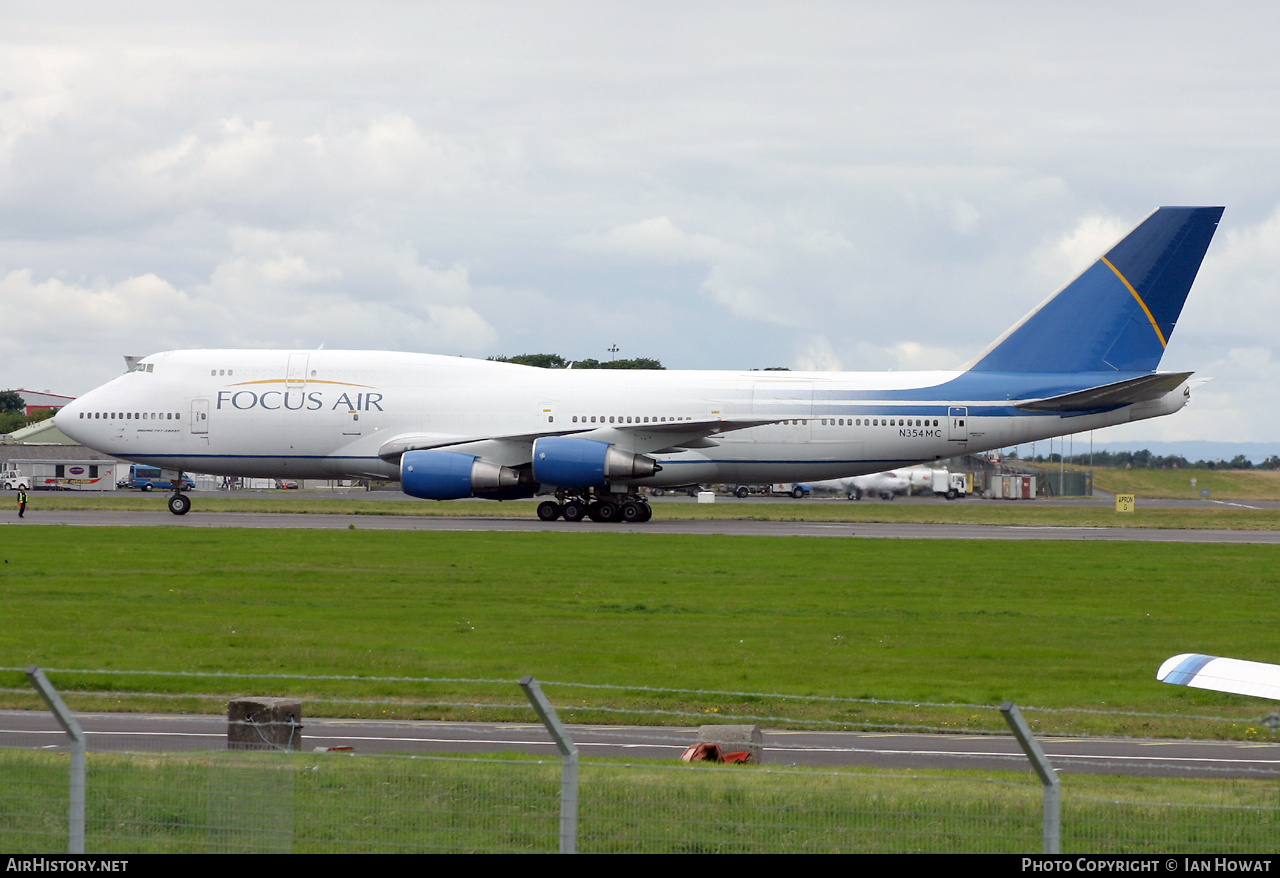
(1048, 777)
(569, 770)
(75, 808)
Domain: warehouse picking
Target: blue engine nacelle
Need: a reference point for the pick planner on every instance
(448, 475)
(569, 462)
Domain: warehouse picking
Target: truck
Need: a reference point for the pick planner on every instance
(149, 478)
(949, 485)
(13, 480)
(796, 490)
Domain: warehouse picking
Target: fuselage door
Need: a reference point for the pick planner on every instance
(958, 423)
(296, 373)
(200, 416)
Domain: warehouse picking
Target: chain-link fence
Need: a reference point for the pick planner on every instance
(167, 783)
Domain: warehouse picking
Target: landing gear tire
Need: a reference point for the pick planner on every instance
(574, 510)
(549, 510)
(179, 504)
(633, 511)
(603, 511)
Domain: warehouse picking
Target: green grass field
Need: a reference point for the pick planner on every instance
(1175, 483)
(1045, 624)
(309, 803)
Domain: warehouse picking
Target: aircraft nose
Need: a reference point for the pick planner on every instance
(68, 419)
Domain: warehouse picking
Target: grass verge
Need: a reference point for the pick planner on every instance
(707, 623)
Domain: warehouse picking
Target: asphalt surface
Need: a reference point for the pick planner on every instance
(196, 518)
(1163, 758)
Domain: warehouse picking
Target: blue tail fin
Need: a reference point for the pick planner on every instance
(1117, 315)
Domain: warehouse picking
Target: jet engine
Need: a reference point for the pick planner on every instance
(570, 462)
(448, 475)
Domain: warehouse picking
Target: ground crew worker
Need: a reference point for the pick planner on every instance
(22, 502)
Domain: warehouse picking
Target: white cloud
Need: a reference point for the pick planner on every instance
(658, 239)
(817, 355)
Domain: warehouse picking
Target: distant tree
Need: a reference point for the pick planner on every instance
(11, 402)
(555, 361)
(636, 363)
(542, 361)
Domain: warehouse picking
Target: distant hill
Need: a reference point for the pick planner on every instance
(1194, 450)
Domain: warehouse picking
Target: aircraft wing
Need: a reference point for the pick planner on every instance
(1141, 389)
(1222, 675)
(666, 435)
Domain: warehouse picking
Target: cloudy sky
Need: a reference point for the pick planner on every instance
(845, 185)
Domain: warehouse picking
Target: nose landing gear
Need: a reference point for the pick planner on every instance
(179, 503)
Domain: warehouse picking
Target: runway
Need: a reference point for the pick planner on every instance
(198, 519)
(886, 750)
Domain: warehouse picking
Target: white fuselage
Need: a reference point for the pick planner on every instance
(329, 414)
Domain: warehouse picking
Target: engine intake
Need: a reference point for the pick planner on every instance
(448, 475)
(570, 462)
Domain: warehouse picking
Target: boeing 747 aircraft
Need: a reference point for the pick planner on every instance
(448, 427)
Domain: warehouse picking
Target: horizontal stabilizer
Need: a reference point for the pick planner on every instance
(1141, 389)
(1222, 675)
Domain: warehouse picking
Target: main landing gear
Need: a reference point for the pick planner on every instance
(630, 508)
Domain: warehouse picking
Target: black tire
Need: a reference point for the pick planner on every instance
(632, 511)
(647, 512)
(952, 494)
(657, 492)
(797, 492)
(608, 512)
(179, 504)
(146, 487)
(741, 491)
(573, 510)
(549, 510)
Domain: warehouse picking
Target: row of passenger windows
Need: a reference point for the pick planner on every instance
(624, 419)
(131, 416)
(879, 422)
(831, 422)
